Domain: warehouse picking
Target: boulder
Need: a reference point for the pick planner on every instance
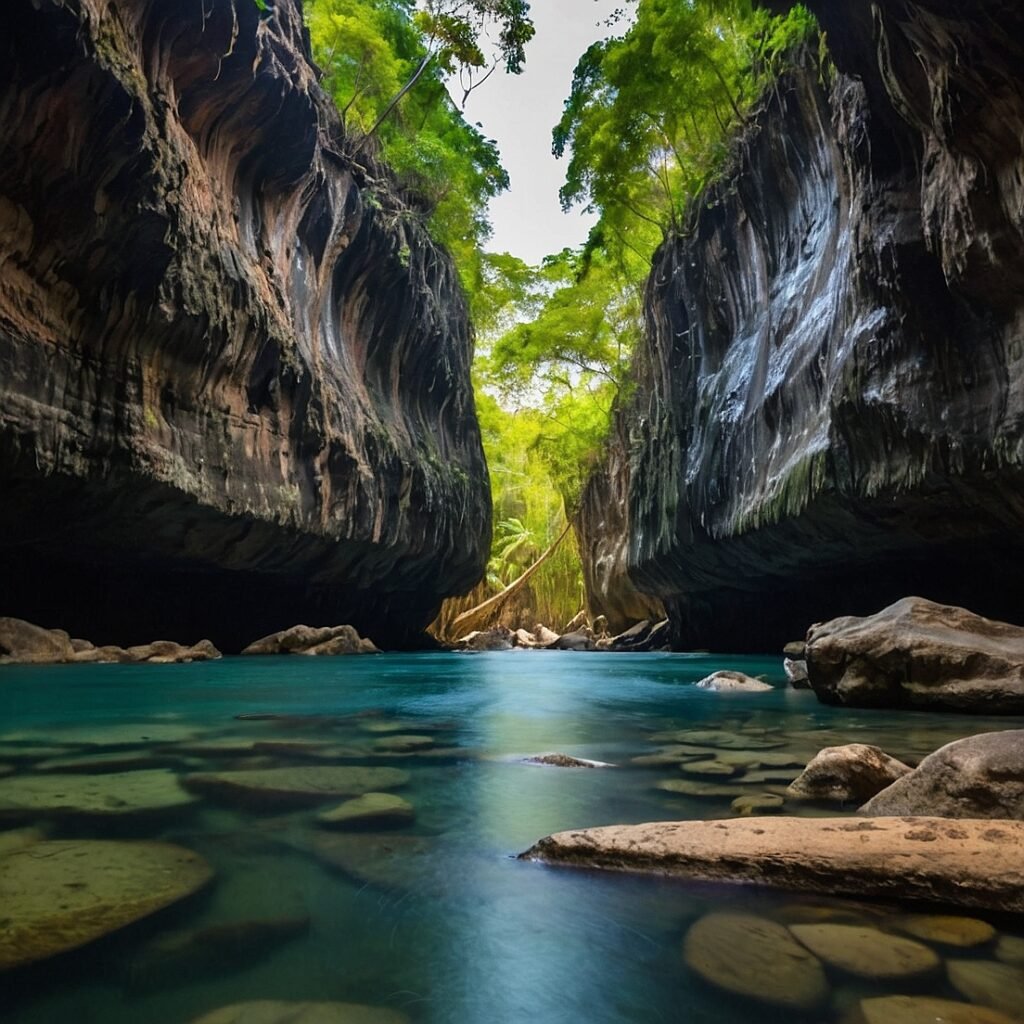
(926, 860)
(376, 809)
(725, 680)
(544, 635)
(796, 673)
(270, 1011)
(918, 654)
(756, 958)
(849, 774)
(795, 650)
(326, 640)
(103, 886)
(22, 643)
(581, 639)
(499, 638)
(867, 952)
(977, 777)
(301, 786)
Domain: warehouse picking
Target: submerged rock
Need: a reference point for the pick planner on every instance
(849, 774)
(758, 803)
(111, 795)
(387, 861)
(997, 985)
(102, 887)
(313, 640)
(756, 958)
(1010, 949)
(929, 860)
(978, 777)
(300, 786)
(928, 1010)
(267, 1011)
(867, 952)
(376, 809)
(917, 653)
(947, 930)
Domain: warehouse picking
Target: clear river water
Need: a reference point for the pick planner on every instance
(435, 918)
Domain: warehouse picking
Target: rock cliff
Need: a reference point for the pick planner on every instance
(234, 387)
(830, 410)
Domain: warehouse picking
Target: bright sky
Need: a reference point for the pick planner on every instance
(520, 111)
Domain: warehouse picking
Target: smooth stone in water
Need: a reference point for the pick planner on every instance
(391, 862)
(370, 809)
(717, 738)
(927, 1010)
(298, 786)
(268, 1011)
(115, 794)
(866, 952)
(709, 790)
(758, 803)
(727, 681)
(711, 769)
(852, 773)
(98, 764)
(753, 957)
(122, 735)
(947, 930)
(565, 761)
(402, 744)
(996, 985)
(1010, 949)
(102, 887)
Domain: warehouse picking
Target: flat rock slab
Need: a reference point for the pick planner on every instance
(376, 809)
(111, 795)
(304, 785)
(969, 863)
(756, 958)
(123, 735)
(269, 1011)
(390, 862)
(867, 952)
(1000, 986)
(947, 930)
(102, 887)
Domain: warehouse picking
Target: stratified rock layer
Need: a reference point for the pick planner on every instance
(234, 385)
(829, 411)
(969, 863)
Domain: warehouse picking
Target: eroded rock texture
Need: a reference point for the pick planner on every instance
(830, 411)
(234, 386)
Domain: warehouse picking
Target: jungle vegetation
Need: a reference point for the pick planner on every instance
(650, 122)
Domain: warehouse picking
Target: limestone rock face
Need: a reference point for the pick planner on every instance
(916, 653)
(977, 777)
(844, 424)
(849, 774)
(234, 371)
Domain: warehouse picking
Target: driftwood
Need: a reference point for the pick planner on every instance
(480, 616)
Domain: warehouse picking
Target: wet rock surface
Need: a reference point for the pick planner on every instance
(268, 1011)
(844, 425)
(849, 774)
(234, 370)
(977, 777)
(323, 640)
(966, 863)
(726, 681)
(919, 654)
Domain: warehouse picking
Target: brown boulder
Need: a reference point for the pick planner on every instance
(977, 777)
(916, 653)
(324, 640)
(849, 774)
(932, 860)
(22, 643)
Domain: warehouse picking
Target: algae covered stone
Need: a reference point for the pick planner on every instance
(997, 985)
(757, 958)
(111, 795)
(270, 1011)
(58, 895)
(867, 952)
(308, 784)
(947, 930)
(375, 809)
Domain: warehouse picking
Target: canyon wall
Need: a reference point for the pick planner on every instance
(830, 403)
(234, 370)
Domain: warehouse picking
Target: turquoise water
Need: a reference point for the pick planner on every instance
(444, 925)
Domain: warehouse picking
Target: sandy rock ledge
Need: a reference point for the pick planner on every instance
(967, 863)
